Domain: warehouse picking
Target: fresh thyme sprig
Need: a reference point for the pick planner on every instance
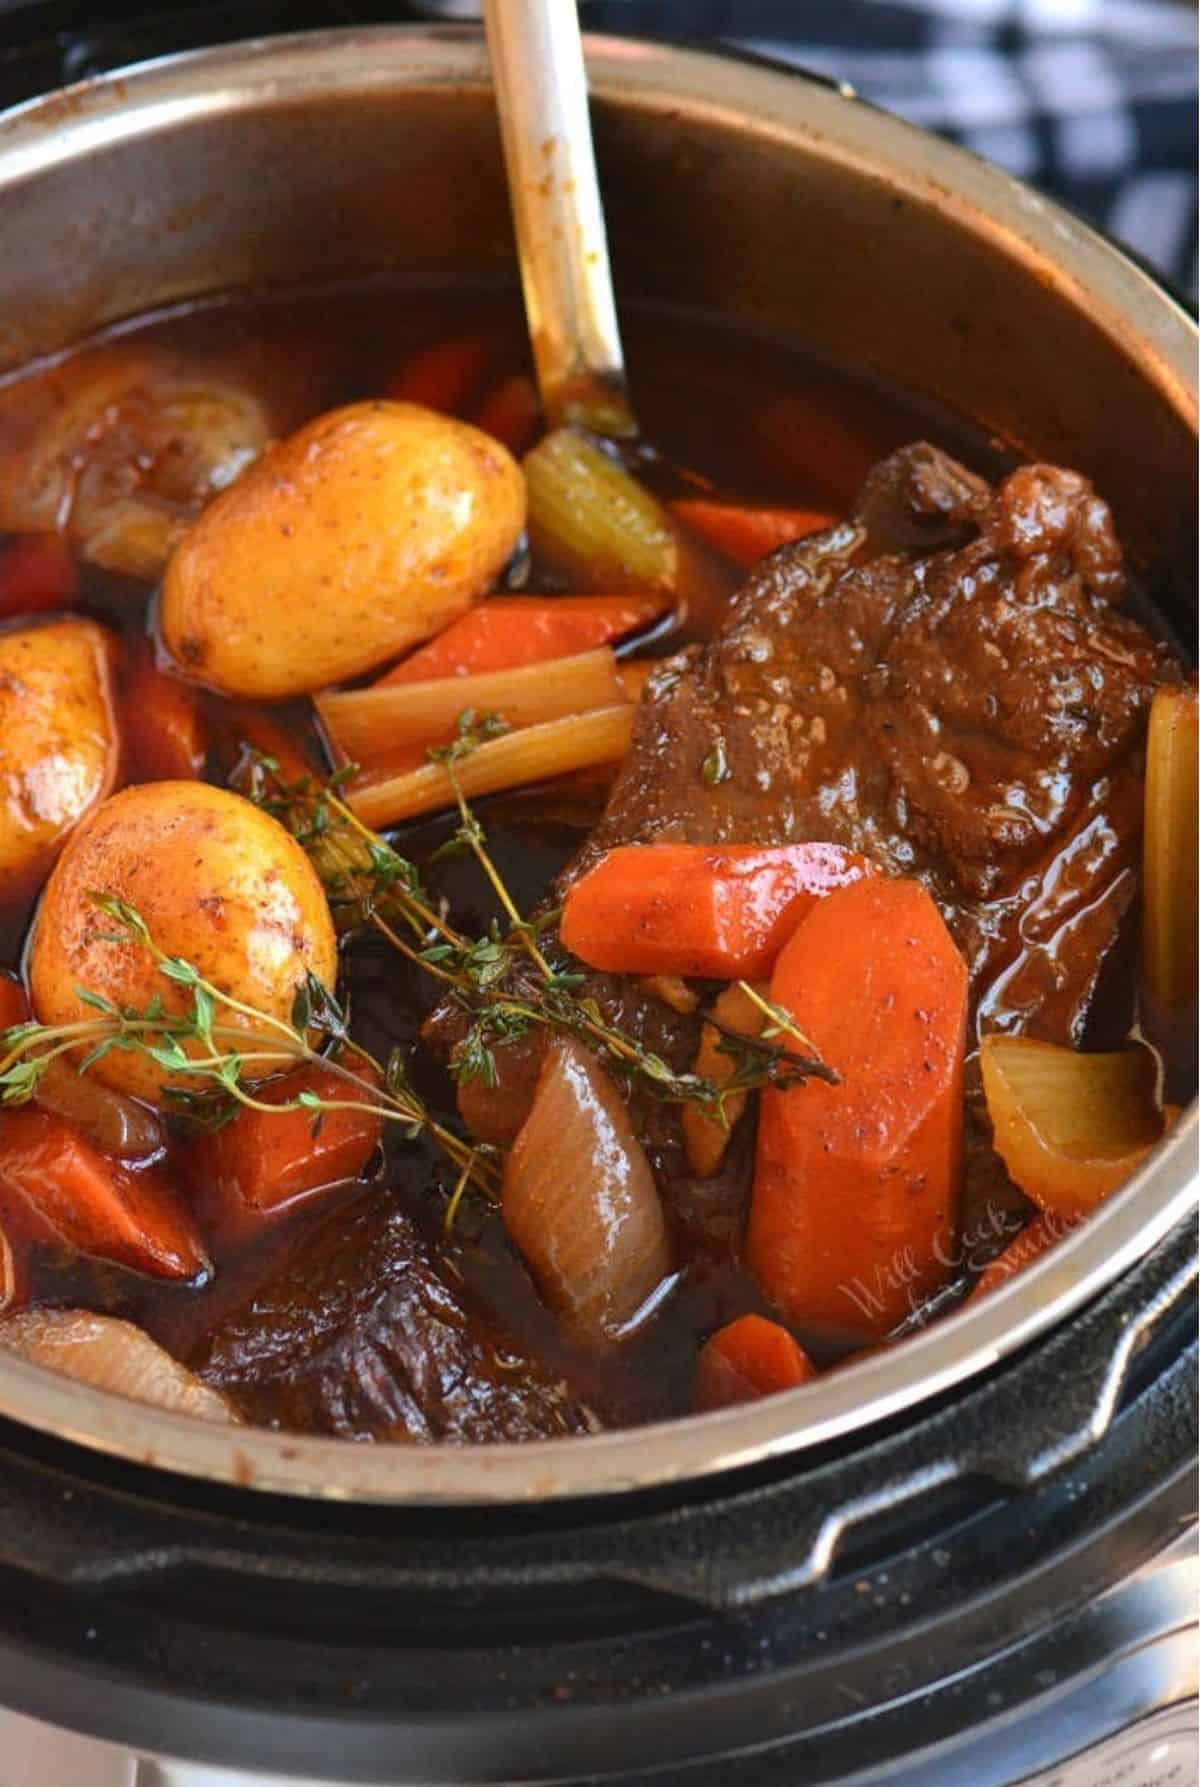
(223, 1061)
(366, 882)
(759, 1060)
(507, 982)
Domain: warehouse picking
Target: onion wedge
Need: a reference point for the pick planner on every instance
(118, 1125)
(1069, 1127)
(580, 1200)
(111, 1355)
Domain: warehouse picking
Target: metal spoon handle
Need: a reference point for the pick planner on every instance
(541, 92)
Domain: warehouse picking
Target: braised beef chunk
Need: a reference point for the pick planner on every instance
(362, 1332)
(943, 684)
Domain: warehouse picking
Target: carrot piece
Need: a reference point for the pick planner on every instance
(260, 1162)
(248, 727)
(14, 1002)
(444, 376)
(722, 913)
(509, 631)
(161, 724)
(822, 442)
(853, 1211)
(512, 414)
(703, 1137)
(746, 535)
(37, 575)
(1035, 1239)
(746, 1359)
(67, 1190)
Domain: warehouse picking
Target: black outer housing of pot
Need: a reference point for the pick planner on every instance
(806, 1621)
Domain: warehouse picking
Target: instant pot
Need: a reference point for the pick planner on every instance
(967, 1559)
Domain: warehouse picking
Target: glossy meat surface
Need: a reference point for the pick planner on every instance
(943, 684)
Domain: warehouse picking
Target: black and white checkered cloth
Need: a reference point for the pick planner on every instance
(1093, 101)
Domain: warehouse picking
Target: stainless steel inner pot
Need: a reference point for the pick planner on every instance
(771, 197)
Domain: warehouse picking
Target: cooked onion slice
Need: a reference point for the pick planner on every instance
(1070, 1128)
(119, 450)
(112, 1355)
(1170, 880)
(580, 1200)
(118, 1125)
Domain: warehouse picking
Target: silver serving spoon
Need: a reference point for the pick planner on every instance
(541, 93)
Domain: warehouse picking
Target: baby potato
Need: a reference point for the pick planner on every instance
(217, 881)
(58, 740)
(366, 532)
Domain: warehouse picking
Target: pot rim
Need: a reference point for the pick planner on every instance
(1122, 300)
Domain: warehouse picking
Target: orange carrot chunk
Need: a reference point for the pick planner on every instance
(746, 535)
(721, 912)
(37, 575)
(822, 441)
(512, 414)
(444, 376)
(161, 724)
(250, 729)
(749, 1358)
(1035, 1239)
(509, 631)
(853, 1211)
(262, 1161)
(67, 1190)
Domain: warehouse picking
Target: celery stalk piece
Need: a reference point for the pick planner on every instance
(515, 760)
(366, 724)
(1170, 915)
(594, 524)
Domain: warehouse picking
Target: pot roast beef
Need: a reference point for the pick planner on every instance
(945, 684)
(362, 1330)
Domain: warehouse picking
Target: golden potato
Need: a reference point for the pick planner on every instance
(367, 531)
(217, 881)
(58, 740)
